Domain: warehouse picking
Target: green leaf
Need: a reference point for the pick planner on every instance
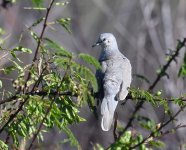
(126, 137)
(90, 60)
(156, 143)
(9, 69)
(37, 3)
(179, 102)
(60, 51)
(146, 123)
(22, 49)
(65, 22)
(34, 35)
(182, 71)
(98, 147)
(61, 3)
(2, 31)
(18, 67)
(89, 77)
(142, 77)
(3, 146)
(37, 22)
(72, 139)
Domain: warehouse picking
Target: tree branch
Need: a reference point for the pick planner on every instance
(180, 45)
(159, 129)
(39, 93)
(39, 41)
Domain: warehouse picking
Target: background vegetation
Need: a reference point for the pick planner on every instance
(47, 82)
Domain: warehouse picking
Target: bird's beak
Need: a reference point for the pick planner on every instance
(97, 43)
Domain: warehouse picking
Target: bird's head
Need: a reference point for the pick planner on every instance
(106, 40)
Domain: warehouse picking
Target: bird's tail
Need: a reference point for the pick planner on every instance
(108, 107)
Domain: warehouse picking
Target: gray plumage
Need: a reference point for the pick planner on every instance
(113, 79)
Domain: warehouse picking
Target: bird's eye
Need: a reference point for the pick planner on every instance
(104, 39)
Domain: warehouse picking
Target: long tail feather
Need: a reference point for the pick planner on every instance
(108, 107)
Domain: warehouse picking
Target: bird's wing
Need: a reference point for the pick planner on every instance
(126, 79)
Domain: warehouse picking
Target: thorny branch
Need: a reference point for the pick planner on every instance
(180, 45)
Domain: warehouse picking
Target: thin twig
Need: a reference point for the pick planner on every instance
(180, 45)
(39, 41)
(159, 129)
(173, 129)
(39, 93)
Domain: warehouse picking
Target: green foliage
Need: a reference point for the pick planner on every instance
(52, 94)
(37, 3)
(132, 140)
(142, 78)
(162, 72)
(182, 71)
(127, 141)
(90, 60)
(155, 99)
(98, 147)
(17, 63)
(71, 138)
(34, 35)
(65, 22)
(146, 123)
(59, 50)
(19, 49)
(1, 31)
(179, 101)
(156, 143)
(2, 40)
(3, 146)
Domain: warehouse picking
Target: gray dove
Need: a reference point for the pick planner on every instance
(113, 79)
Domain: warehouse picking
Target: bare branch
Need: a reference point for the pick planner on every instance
(180, 45)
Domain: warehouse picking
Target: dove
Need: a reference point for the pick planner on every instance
(114, 78)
